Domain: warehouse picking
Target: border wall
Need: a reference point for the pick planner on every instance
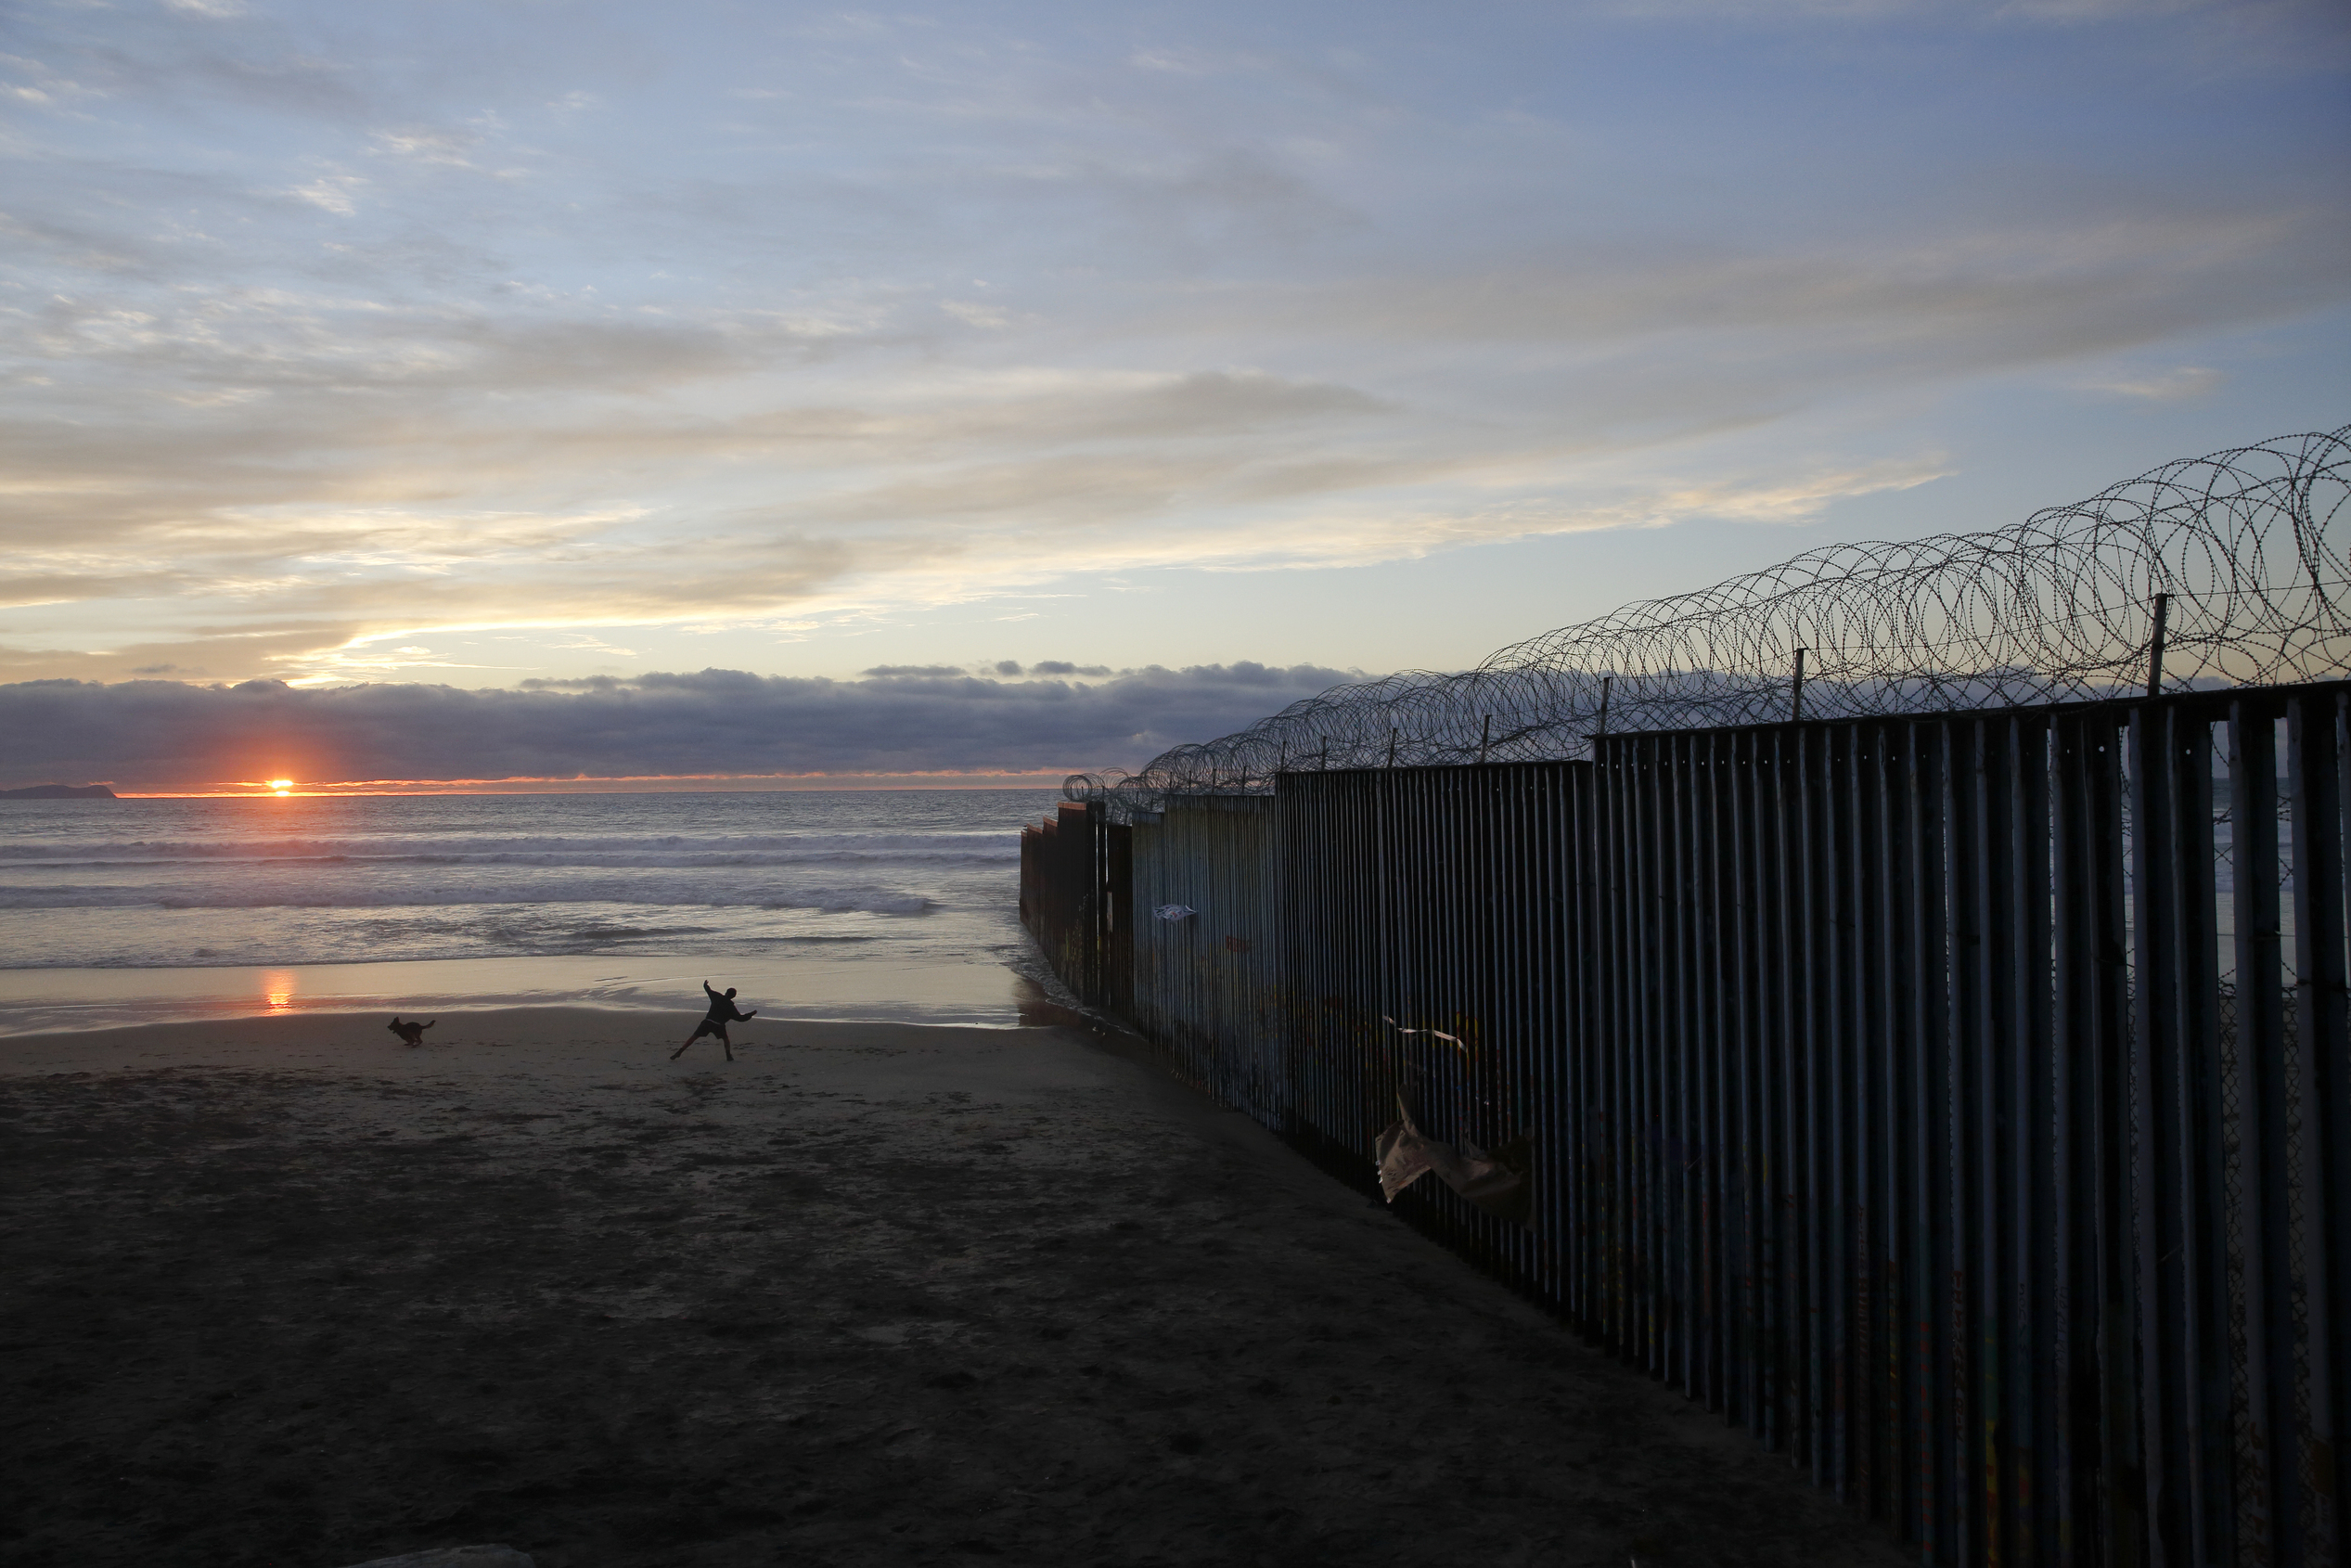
(1959, 1103)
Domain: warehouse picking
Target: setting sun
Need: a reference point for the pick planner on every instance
(281, 785)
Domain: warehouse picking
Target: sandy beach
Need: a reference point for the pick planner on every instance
(284, 1293)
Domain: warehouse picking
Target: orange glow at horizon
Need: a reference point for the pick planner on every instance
(529, 784)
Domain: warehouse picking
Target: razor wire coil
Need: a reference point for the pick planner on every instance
(2252, 546)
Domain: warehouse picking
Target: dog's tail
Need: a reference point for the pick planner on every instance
(429, 1026)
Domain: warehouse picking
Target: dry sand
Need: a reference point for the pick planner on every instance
(283, 1293)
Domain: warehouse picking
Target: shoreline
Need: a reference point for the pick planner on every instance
(565, 1038)
(826, 987)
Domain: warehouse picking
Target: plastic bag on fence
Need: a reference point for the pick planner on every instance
(1174, 912)
(1495, 1182)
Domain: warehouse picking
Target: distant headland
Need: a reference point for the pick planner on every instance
(59, 792)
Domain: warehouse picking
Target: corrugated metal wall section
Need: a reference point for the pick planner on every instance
(1962, 1103)
(1989, 1081)
(1437, 947)
(1205, 986)
(1073, 902)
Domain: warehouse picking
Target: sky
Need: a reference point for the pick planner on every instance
(1031, 386)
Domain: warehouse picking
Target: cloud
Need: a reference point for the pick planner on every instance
(333, 193)
(1976, 299)
(973, 314)
(154, 735)
(1784, 12)
(429, 145)
(2188, 383)
(1247, 303)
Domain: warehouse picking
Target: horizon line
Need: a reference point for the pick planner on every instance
(617, 784)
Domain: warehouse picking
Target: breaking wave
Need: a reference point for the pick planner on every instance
(376, 894)
(682, 851)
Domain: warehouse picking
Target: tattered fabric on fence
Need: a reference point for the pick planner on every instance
(1495, 1182)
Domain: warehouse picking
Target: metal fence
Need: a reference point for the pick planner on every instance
(1068, 869)
(1207, 956)
(1961, 1102)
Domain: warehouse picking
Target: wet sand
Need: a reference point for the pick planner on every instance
(284, 1292)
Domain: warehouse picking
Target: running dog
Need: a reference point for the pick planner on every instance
(412, 1033)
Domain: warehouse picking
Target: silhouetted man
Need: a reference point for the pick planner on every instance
(722, 1014)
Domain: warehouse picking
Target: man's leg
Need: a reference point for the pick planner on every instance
(689, 1040)
(728, 1043)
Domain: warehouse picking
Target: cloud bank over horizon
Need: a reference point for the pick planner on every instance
(494, 344)
(166, 737)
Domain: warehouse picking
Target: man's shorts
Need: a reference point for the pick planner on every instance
(709, 1026)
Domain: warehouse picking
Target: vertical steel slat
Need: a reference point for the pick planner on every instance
(1469, 986)
(1353, 1106)
(1714, 820)
(1517, 973)
(1608, 1046)
(1544, 812)
(2121, 1484)
(1961, 781)
(2163, 1371)
(1641, 1119)
(1788, 948)
(1634, 1132)
(1483, 961)
(1543, 1020)
(1590, 1024)
(2035, 1146)
(1871, 1136)
(2268, 1523)
(1656, 1061)
(1607, 935)
(2071, 1288)
(1406, 961)
(1928, 1217)
(1606, 848)
(1855, 1080)
(2202, 1196)
(1781, 1264)
(1681, 1053)
(1678, 1126)
(2323, 1063)
(1898, 1200)
(1561, 1034)
(1746, 1041)
(1837, 926)
(1991, 1207)
(1811, 973)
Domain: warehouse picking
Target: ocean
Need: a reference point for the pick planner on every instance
(892, 904)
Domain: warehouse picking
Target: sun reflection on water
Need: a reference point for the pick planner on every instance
(277, 990)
